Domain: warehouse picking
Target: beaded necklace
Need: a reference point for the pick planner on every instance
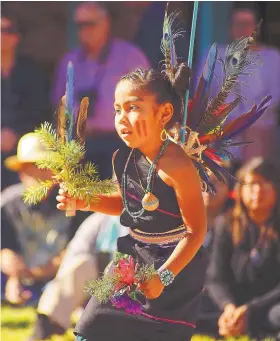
(149, 202)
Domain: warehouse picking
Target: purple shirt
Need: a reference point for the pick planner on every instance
(123, 57)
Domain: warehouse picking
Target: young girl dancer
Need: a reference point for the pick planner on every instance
(152, 170)
(159, 195)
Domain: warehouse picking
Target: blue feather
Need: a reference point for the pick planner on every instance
(203, 86)
(221, 173)
(205, 177)
(69, 110)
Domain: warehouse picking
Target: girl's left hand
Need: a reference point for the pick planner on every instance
(153, 288)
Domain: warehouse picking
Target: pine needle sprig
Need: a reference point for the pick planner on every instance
(47, 136)
(102, 288)
(64, 160)
(35, 194)
(146, 273)
(53, 161)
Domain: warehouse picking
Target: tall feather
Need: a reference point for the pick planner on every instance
(168, 43)
(216, 118)
(202, 92)
(205, 177)
(61, 124)
(81, 121)
(221, 173)
(69, 108)
(244, 121)
(239, 60)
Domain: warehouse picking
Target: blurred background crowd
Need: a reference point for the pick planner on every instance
(45, 257)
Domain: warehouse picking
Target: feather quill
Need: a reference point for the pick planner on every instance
(168, 43)
(61, 124)
(81, 121)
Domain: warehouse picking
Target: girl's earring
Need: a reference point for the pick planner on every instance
(163, 135)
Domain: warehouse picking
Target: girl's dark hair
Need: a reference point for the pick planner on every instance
(159, 84)
(270, 171)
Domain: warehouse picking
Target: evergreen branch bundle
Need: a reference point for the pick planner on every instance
(64, 159)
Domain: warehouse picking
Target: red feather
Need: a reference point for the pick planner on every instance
(207, 139)
(237, 123)
(209, 152)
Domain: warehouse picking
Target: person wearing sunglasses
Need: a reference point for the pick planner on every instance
(99, 61)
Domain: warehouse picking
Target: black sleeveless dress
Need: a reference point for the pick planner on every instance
(152, 239)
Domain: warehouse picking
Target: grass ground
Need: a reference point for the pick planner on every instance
(17, 326)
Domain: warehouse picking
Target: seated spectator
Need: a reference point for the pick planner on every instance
(23, 96)
(244, 273)
(99, 63)
(33, 237)
(216, 206)
(86, 257)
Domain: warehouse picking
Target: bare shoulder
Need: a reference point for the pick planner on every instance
(176, 165)
(176, 158)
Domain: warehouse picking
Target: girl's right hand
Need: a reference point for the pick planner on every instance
(63, 198)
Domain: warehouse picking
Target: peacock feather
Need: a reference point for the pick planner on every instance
(170, 35)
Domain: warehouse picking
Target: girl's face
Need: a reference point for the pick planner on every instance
(138, 118)
(258, 193)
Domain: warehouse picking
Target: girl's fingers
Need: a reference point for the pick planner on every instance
(61, 207)
(62, 192)
(61, 198)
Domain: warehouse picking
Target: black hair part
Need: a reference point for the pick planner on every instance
(165, 90)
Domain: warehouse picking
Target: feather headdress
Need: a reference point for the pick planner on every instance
(209, 128)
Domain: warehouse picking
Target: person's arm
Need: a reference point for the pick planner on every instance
(189, 196)
(257, 306)
(182, 176)
(219, 275)
(267, 300)
(49, 270)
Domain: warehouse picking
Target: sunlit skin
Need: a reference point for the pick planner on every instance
(259, 198)
(139, 121)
